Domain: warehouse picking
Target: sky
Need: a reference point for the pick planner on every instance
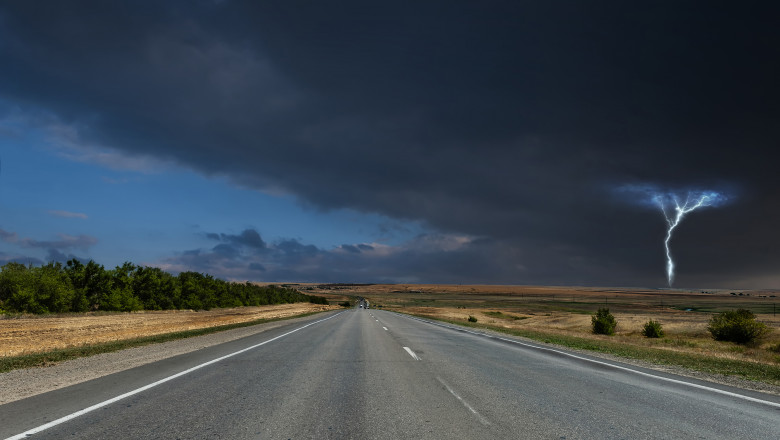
(498, 142)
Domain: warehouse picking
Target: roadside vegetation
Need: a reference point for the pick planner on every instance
(78, 287)
(42, 359)
(653, 329)
(738, 326)
(603, 322)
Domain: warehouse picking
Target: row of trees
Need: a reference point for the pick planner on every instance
(78, 287)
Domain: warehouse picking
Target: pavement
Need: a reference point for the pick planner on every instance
(373, 374)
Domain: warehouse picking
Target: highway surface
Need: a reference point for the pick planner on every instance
(372, 374)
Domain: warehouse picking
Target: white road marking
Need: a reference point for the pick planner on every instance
(152, 385)
(631, 370)
(466, 404)
(384, 328)
(411, 353)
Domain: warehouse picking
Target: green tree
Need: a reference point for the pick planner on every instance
(13, 278)
(53, 289)
(191, 290)
(97, 284)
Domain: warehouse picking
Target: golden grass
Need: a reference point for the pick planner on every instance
(567, 311)
(42, 333)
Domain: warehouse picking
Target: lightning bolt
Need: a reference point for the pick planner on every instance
(674, 218)
(674, 206)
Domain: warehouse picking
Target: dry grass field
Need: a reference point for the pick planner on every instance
(567, 311)
(33, 334)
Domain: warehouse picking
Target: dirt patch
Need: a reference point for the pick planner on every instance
(33, 334)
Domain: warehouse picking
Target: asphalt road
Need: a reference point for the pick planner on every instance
(371, 374)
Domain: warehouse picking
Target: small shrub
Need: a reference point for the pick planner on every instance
(472, 319)
(345, 304)
(318, 299)
(603, 322)
(653, 329)
(738, 326)
(775, 348)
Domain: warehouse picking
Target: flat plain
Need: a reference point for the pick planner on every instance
(546, 313)
(566, 312)
(28, 334)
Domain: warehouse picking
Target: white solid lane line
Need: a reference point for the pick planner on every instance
(152, 385)
(617, 367)
(411, 353)
(466, 404)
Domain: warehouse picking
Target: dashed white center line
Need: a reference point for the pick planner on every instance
(384, 328)
(466, 404)
(412, 354)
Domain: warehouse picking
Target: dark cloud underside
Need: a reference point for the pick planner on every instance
(507, 121)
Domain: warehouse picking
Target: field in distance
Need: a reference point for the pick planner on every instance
(565, 312)
(28, 334)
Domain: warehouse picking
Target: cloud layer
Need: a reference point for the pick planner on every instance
(426, 258)
(512, 122)
(68, 214)
(58, 250)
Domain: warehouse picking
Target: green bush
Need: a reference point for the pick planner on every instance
(345, 304)
(653, 329)
(738, 326)
(318, 299)
(603, 322)
(472, 319)
(775, 348)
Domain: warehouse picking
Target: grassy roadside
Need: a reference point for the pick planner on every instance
(712, 365)
(54, 356)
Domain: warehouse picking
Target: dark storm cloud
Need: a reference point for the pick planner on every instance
(508, 121)
(65, 241)
(248, 237)
(57, 251)
(81, 241)
(21, 259)
(57, 256)
(9, 237)
(350, 248)
(256, 267)
(426, 258)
